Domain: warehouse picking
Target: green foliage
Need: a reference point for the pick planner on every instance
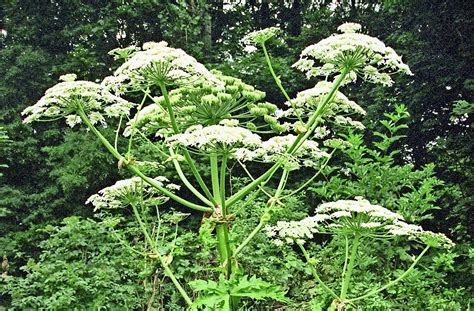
(52, 171)
(3, 140)
(78, 269)
(218, 295)
(373, 174)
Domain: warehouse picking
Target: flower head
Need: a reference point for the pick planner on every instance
(149, 120)
(310, 99)
(68, 77)
(357, 216)
(158, 63)
(216, 138)
(123, 53)
(65, 98)
(349, 28)
(361, 54)
(128, 191)
(260, 36)
(275, 149)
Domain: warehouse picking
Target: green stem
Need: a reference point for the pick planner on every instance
(186, 182)
(242, 192)
(135, 169)
(312, 123)
(313, 120)
(186, 154)
(252, 178)
(394, 281)
(222, 184)
(117, 133)
(277, 80)
(222, 230)
(350, 266)
(215, 178)
(346, 257)
(197, 175)
(311, 179)
(263, 220)
(164, 91)
(315, 274)
(160, 258)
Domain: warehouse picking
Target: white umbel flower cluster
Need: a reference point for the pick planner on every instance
(68, 77)
(275, 149)
(260, 36)
(177, 65)
(336, 111)
(216, 138)
(349, 28)
(355, 216)
(310, 99)
(365, 56)
(62, 100)
(358, 206)
(127, 191)
(291, 231)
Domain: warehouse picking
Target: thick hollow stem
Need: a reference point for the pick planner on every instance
(393, 282)
(222, 182)
(136, 171)
(215, 178)
(346, 257)
(350, 266)
(222, 229)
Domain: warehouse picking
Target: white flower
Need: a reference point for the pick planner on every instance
(250, 49)
(347, 121)
(73, 119)
(354, 216)
(216, 137)
(340, 214)
(229, 122)
(128, 191)
(174, 64)
(63, 100)
(275, 149)
(367, 56)
(311, 98)
(299, 231)
(349, 28)
(68, 77)
(148, 120)
(260, 36)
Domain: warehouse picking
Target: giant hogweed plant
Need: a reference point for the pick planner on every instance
(191, 117)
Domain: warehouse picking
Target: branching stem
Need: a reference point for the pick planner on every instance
(167, 269)
(393, 282)
(135, 169)
(315, 274)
